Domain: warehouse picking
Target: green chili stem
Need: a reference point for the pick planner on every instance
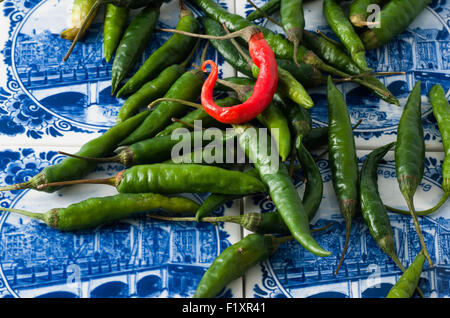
(205, 50)
(83, 26)
(410, 203)
(245, 33)
(39, 216)
(191, 54)
(362, 75)
(348, 227)
(17, 186)
(424, 212)
(330, 39)
(181, 101)
(185, 123)
(265, 15)
(238, 47)
(326, 68)
(107, 181)
(215, 219)
(241, 90)
(107, 159)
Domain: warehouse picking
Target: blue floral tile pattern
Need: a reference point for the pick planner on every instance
(43, 98)
(47, 105)
(422, 52)
(136, 257)
(366, 271)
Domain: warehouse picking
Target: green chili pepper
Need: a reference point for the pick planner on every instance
(215, 200)
(225, 47)
(150, 91)
(282, 191)
(312, 197)
(407, 283)
(115, 22)
(171, 52)
(410, 155)
(293, 22)
(268, 8)
(71, 168)
(272, 117)
(235, 260)
(289, 86)
(342, 27)
(188, 88)
(93, 212)
(441, 111)
(279, 44)
(395, 17)
(152, 150)
(306, 74)
(287, 83)
(336, 57)
(343, 160)
(80, 10)
(300, 119)
(133, 43)
(173, 178)
(316, 138)
(372, 208)
(358, 11)
(199, 114)
(154, 89)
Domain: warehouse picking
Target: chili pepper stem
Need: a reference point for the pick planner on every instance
(350, 78)
(94, 8)
(107, 159)
(108, 181)
(33, 215)
(441, 202)
(329, 69)
(245, 33)
(17, 186)
(348, 227)
(181, 101)
(410, 203)
(330, 39)
(191, 54)
(277, 241)
(263, 13)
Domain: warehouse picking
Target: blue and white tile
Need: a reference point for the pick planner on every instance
(422, 52)
(366, 271)
(44, 101)
(135, 257)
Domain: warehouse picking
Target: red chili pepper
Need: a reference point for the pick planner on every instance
(263, 91)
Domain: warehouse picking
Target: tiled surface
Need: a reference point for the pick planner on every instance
(366, 270)
(422, 52)
(42, 111)
(135, 257)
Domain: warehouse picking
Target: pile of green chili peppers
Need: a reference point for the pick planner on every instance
(142, 139)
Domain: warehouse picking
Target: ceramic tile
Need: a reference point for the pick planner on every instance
(44, 101)
(135, 257)
(421, 52)
(366, 271)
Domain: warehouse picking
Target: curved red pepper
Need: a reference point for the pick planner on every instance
(263, 91)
